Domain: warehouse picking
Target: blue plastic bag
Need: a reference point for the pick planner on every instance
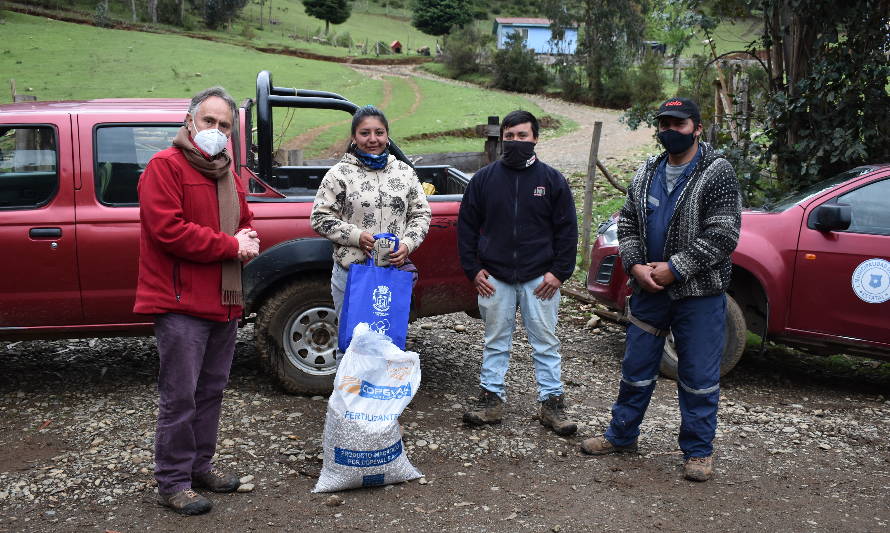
(378, 296)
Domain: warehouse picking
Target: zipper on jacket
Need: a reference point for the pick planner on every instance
(176, 285)
(515, 238)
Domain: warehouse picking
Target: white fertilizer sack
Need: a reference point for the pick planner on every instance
(362, 443)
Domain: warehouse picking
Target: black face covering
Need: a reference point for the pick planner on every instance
(675, 142)
(518, 154)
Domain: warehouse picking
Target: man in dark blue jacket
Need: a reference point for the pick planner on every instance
(517, 235)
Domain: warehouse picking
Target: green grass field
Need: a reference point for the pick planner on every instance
(368, 22)
(60, 61)
(290, 26)
(728, 35)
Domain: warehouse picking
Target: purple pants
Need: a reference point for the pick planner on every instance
(196, 356)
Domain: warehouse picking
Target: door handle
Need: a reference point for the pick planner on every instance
(45, 233)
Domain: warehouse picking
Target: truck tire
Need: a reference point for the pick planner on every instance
(736, 338)
(296, 336)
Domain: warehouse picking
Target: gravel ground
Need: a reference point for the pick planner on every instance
(800, 447)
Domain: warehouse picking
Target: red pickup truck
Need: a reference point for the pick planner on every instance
(69, 222)
(812, 270)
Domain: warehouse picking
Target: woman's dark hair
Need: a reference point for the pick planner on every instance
(515, 118)
(365, 112)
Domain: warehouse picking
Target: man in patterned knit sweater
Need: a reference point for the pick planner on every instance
(676, 232)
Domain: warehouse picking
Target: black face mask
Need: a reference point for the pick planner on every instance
(518, 154)
(675, 142)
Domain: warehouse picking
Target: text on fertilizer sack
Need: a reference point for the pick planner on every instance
(367, 417)
(363, 458)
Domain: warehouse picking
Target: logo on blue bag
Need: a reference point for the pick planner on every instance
(381, 326)
(382, 298)
(366, 389)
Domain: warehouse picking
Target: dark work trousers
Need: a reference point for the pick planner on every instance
(698, 324)
(196, 356)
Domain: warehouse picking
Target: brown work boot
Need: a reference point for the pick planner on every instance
(187, 502)
(698, 468)
(215, 481)
(489, 409)
(599, 445)
(553, 416)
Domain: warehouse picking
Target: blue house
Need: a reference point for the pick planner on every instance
(536, 33)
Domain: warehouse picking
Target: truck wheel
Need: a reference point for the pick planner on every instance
(296, 336)
(736, 338)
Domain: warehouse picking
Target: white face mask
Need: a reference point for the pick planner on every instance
(211, 141)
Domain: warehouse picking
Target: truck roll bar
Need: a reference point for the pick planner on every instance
(268, 97)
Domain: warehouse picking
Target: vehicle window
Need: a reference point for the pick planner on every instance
(870, 208)
(121, 155)
(29, 176)
(813, 190)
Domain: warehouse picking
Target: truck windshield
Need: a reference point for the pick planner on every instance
(808, 192)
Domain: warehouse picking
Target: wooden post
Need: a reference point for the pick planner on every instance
(588, 194)
(295, 158)
(492, 139)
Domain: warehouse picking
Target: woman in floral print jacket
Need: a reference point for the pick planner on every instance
(368, 192)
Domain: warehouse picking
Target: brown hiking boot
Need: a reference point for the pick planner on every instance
(489, 409)
(553, 416)
(215, 481)
(698, 468)
(187, 502)
(599, 445)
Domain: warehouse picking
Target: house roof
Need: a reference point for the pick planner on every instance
(524, 21)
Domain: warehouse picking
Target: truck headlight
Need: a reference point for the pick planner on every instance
(608, 232)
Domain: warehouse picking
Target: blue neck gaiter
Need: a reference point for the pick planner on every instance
(374, 162)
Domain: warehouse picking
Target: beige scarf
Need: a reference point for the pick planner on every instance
(219, 168)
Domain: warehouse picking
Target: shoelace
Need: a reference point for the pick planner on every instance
(701, 460)
(191, 494)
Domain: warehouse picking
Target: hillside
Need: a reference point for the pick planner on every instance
(57, 60)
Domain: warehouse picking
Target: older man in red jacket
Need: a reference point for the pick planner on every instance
(195, 233)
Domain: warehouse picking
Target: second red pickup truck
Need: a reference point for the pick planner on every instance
(69, 226)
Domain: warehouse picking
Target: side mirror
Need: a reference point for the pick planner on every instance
(833, 217)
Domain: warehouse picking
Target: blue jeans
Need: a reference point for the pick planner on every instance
(699, 328)
(539, 318)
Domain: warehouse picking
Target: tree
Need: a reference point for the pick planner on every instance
(219, 12)
(437, 17)
(517, 69)
(609, 38)
(676, 23)
(153, 11)
(466, 49)
(827, 111)
(330, 11)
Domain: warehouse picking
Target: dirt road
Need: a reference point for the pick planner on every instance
(570, 151)
(799, 448)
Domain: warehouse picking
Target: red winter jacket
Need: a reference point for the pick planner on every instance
(180, 246)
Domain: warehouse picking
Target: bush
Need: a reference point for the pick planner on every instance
(219, 12)
(465, 50)
(342, 39)
(647, 92)
(517, 69)
(570, 78)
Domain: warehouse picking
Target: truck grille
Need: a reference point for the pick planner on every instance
(604, 273)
